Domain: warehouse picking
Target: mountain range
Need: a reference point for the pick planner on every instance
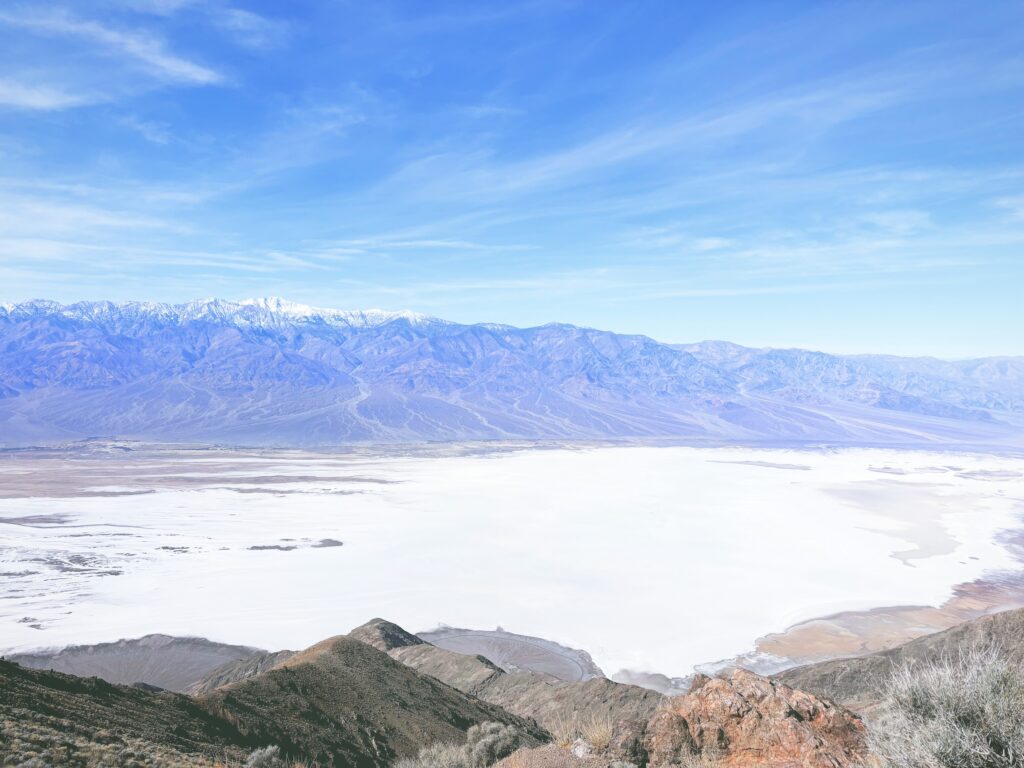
(271, 372)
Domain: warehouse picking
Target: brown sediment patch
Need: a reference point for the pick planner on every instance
(853, 633)
(34, 476)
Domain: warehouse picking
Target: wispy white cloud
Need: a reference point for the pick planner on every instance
(157, 7)
(716, 169)
(425, 244)
(242, 26)
(899, 221)
(34, 215)
(249, 29)
(151, 131)
(669, 237)
(683, 291)
(477, 172)
(144, 49)
(711, 243)
(1014, 204)
(483, 111)
(35, 96)
(304, 136)
(40, 254)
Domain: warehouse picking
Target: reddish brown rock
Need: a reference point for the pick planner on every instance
(748, 720)
(668, 739)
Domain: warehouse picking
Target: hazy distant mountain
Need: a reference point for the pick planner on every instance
(171, 663)
(266, 371)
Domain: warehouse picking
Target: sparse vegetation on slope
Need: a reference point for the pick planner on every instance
(344, 703)
(340, 703)
(485, 745)
(861, 683)
(61, 720)
(958, 711)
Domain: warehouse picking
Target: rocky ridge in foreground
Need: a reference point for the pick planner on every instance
(382, 694)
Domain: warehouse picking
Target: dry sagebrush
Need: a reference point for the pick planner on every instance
(962, 711)
(595, 729)
(485, 745)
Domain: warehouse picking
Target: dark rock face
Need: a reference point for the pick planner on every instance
(748, 720)
(627, 742)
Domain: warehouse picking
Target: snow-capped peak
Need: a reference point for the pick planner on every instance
(283, 307)
(266, 311)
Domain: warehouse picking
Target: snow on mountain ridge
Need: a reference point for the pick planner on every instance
(271, 371)
(264, 311)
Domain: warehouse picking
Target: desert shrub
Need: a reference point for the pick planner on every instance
(597, 731)
(487, 743)
(564, 731)
(265, 757)
(961, 711)
(34, 762)
(437, 756)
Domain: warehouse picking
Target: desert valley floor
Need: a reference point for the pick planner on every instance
(650, 558)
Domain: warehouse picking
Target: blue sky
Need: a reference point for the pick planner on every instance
(847, 177)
